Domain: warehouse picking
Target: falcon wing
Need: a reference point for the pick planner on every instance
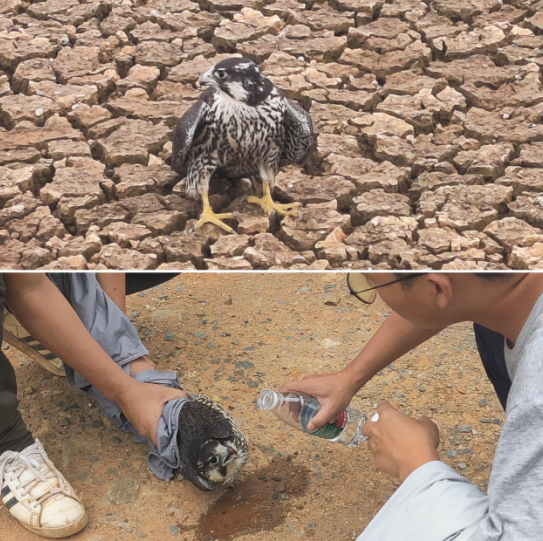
(184, 133)
(299, 135)
(218, 424)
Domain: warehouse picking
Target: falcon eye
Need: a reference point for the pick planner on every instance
(220, 74)
(214, 460)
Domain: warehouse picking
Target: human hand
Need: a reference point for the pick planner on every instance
(400, 444)
(333, 391)
(143, 403)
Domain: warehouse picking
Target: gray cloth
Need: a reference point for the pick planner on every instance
(436, 504)
(115, 333)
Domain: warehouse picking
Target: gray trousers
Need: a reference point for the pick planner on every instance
(104, 320)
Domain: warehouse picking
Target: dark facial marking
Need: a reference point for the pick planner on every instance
(245, 73)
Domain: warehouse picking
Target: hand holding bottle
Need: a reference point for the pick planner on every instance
(299, 409)
(333, 391)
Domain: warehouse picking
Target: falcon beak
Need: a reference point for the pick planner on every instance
(232, 455)
(207, 78)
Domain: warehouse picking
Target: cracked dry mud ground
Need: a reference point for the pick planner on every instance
(238, 334)
(429, 114)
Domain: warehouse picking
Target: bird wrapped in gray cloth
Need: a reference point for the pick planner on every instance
(212, 449)
(242, 126)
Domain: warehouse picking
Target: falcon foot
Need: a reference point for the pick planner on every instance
(270, 206)
(208, 216)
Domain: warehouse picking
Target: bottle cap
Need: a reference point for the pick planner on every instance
(268, 400)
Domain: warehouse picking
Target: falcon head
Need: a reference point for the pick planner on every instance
(220, 461)
(239, 78)
(212, 449)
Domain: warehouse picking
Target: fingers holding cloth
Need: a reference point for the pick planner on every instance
(399, 443)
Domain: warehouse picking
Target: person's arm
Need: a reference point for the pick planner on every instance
(434, 503)
(47, 315)
(399, 443)
(394, 338)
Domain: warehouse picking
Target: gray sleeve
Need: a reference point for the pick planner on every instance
(433, 504)
(515, 490)
(104, 320)
(436, 504)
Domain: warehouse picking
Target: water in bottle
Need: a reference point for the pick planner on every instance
(297, 410)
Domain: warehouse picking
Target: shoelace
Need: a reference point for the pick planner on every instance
(17, 463)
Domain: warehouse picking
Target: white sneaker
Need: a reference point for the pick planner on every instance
(38, 495)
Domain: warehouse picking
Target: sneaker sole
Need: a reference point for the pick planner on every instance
(59, 533)
(34, 355)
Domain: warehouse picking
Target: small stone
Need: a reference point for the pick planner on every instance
(464, 428)
(169, 337)
(124, 489)
(331, 298)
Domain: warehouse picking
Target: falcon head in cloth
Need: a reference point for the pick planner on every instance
(212, 449)
(241, 127)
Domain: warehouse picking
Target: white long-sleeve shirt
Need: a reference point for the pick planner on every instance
(437, 504)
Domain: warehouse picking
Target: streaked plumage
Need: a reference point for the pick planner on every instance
(212, 449)
(242, 126)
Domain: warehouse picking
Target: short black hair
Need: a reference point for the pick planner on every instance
(494, 275)
(490, 276)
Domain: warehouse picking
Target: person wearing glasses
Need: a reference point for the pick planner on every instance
(434, 503)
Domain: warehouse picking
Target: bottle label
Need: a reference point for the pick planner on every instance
(332, 430)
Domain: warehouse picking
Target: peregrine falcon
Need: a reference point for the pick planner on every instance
(212, 449)
(242, 126)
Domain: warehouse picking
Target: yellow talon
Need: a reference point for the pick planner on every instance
(208, 216)
(270, 206)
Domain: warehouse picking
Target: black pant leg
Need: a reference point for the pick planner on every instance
(14, 436)
(491, 349)
(139, 281)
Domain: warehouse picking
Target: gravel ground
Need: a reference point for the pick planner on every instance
(429, 115)
(233, 335)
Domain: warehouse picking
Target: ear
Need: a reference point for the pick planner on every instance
(442, 289)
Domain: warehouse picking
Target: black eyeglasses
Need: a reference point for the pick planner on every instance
(362, 288)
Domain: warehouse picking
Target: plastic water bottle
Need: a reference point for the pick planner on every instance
(297, 410)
